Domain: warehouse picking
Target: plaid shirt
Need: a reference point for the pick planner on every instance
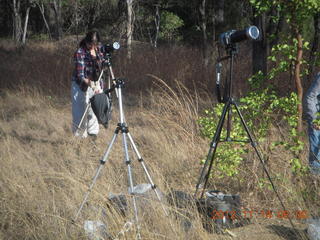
(84, 65)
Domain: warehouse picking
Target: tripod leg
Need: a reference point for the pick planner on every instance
(213, 147)
(130, 179)
(140, 159)
(102, 162)
(82, 118)
(254, 145)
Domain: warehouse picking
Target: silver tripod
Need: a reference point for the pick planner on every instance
(122, 128)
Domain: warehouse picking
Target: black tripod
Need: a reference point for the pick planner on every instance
(229, 103)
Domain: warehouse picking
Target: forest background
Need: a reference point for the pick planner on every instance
(168, 54)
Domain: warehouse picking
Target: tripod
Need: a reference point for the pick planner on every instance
(226, 113)
(122, 128)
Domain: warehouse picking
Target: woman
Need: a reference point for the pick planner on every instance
(312, 115)
(87, 61)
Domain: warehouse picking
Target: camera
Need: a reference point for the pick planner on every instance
(107, 49)
(233, 36)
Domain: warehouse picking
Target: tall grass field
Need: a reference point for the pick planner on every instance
(46, 171)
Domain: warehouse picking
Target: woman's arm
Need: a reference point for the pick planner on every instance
(311, 99)
(80, 67)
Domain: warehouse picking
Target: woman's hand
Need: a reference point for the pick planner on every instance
(87, 81)
(315, 126)
(316, 122)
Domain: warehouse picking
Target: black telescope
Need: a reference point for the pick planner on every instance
(233, 36)
(109, 48)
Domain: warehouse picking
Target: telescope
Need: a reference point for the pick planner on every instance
(109, 48)
(233, 36)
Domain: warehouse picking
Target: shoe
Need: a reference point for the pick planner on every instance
(93, 136)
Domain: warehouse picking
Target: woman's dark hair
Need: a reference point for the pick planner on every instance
(91, 37)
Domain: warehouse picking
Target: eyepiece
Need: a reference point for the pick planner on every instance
(116, 45)
(253, 32)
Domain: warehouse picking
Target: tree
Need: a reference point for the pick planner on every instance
(211, 13)
(152, 20)
(26, 20)
(169, 25)
(296, 13)
(217, 16)
(5, 17)
(19, 33)
(30, 4)
(203, 25)
(270, 24)
(40, 4)
(16, 17)
(260, 48)
(130, 21)
(157, 24)
(56, 18)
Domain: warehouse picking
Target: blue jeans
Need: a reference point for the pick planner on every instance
(314, 154)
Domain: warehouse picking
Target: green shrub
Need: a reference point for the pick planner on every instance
(259, 109)
(169, 25)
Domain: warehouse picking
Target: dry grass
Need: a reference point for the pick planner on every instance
(45, 171)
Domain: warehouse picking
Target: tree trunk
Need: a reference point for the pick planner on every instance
(129, 27)
(213, 29)
(259, 48)
(93, 15)
(157, 24)
(57, 8)
(274, 28)
(203, 24)
(17, 29)
(41, 8)
(217, 18)
(219, 6)
(298, 79)
(77, 19)
(26, 20)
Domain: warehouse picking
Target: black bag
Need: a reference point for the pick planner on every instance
(101, 106)
(221, 211)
